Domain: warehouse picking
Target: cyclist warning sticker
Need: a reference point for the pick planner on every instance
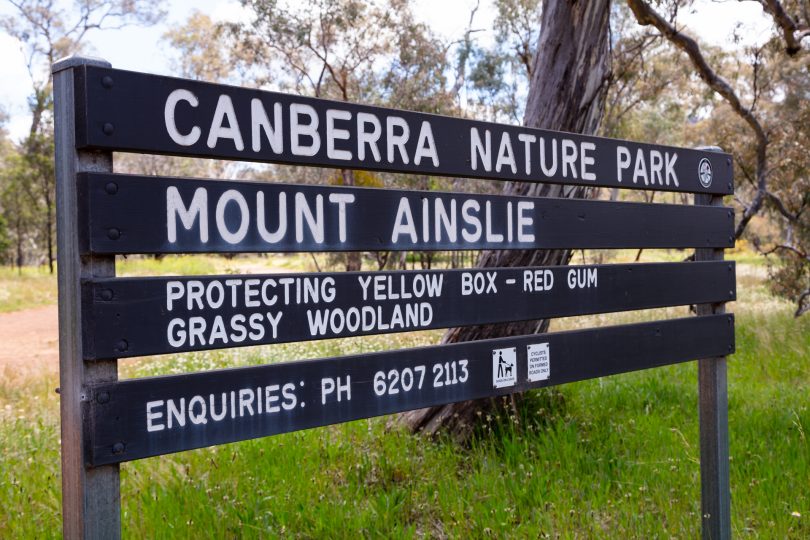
(504, 367)
(539, 362)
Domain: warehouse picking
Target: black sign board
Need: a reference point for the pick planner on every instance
(128, 111)
(99, 110)
(131, 214)
(126, 317)
(148, 417)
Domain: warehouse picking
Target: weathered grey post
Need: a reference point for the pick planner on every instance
(90, 496)
(715, 495)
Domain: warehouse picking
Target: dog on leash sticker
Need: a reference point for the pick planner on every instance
(504, 367)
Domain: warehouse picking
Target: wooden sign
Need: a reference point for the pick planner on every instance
(128, 111)
(131, 214)
(127, 317)
(102, 318)
(147, 417)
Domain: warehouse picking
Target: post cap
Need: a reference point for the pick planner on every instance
(78, 60)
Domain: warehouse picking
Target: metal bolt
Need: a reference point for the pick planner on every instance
(730, 187)
(730, 239)
(118, 448)
(122, 345)
(107, 81)
(108, 128)
(731, 293)
(111, 188)
(103, 397)
(731, 213)
(728, 161)
(113, 234)
(106, 295)
(730, 348)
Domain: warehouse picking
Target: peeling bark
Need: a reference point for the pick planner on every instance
(567, 93)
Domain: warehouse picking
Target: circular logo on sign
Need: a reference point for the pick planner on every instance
(705, 173)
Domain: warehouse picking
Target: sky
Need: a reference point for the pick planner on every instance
(141, 48)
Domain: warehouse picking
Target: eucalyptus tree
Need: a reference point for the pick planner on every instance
(569, 76)
(349, 50)
(48, 31)
(762, 95)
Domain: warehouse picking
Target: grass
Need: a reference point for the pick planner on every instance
(606, 458)
(26, 288)
(210, 264)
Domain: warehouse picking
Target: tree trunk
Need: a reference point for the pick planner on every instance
(19, 247)
(567, 90)
(49, 230)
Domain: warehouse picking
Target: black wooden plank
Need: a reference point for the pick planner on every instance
(127, 317)
(137, 112)
(131, 214)
(302, 395)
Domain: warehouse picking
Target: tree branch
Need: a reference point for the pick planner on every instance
(646, 15)
(780, 206)
(792, 31)
(783, 247)
(802, 308)
(461, 67)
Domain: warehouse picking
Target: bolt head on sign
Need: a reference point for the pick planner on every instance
(504, 367)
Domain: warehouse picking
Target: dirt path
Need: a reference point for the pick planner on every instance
(29, 342)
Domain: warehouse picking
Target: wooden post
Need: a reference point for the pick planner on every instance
(715, 495)
(90, 496)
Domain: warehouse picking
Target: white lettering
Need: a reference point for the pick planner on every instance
(670, 168)
(333, 133)
(469, 206)
(259, 122)
(175, 207)
(304, 212)
(299, 130)
(569, 158)
(622, 161)
(168, 115)
(479, 149)
(152, 415)
(261, 223)
(425, 146)
(341, 199)
(586, 160)
(368, 138)
(224, 111)
(397, 141)
(505, 154)
(403, 223)
(527, 141)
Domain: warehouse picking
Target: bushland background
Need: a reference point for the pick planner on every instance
(603, 458)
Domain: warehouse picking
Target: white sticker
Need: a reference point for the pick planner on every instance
(504, 367)
(539, 362)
